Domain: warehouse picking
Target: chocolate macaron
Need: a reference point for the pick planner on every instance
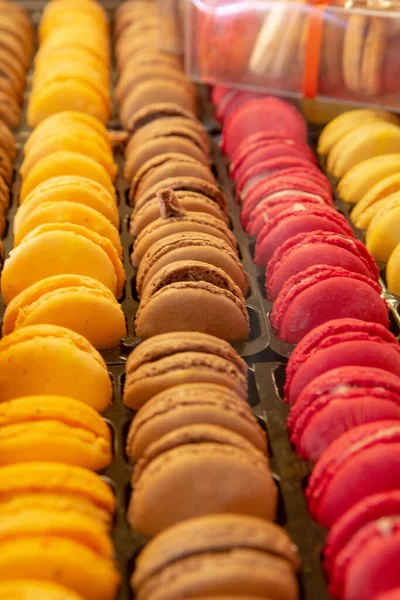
(188, 404)
(224, 556)
(198, 470)
(172, 359)
(190, 295)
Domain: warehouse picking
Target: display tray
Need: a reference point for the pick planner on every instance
(265, 355)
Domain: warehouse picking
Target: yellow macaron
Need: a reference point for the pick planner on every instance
(393, 271)
(66, 163)
(57, 249)
(383, 233)
(365, 209)
(68, 549)
(63, 11)
(31, 589)
(364, 175)
(80, 139)
(36, 427)
(72, 301)
(46, 359)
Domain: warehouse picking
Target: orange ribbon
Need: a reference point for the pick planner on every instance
(313, 50)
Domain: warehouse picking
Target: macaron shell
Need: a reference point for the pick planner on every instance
(35, 590)
(35, 428)
(250, 489)
(302, 252)
(368, 510)
(353, 350)
(272, 207)
(189, 367)
(73, 367)
(79, 190)
(383, 232)
(290, 223)
(297, 310)
(73, 94)
(66, 163)
(69, 212)
(364, 210)
(65, 484)
(363, 176)
(77, 303)
(192, 404)
(393, 272)
(367, 465)
(233, 574)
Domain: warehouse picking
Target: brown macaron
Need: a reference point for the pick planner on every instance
(158, 110)
(6, 166)
(196, 202)
(171, 126)
(198, 470)
(132, 77)
(173, 220)
(190, 295)
(4, 196)
(10, 111)
(189, 404)
(160, 169)
(191, 246)
(223, 556)
(172, 359)
(157, 90)
(7, 141)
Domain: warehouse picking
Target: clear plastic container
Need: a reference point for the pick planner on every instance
(347, 54)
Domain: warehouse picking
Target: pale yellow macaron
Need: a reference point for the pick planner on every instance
(31, 589)
(393, 272)
(79, 303)
(47, 359)
(364, 210)
(383, 233)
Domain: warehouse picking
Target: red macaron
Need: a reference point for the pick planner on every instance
(366, 511)
(272, 207)
(295, 170)
(319, 247)
(263, 114)
(298, 220)
(281, 185)
(338, 401)
(362, 462)
(231, 102)
(261, 146)
(337, 343)
(393, 594)
(369, 564)
(322, 293)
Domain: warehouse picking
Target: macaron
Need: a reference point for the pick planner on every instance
(259, 145)
(167, 360)
(56, 486)
(192, 403)
(69, 188)
(65, 163)
(7, 142)
(174, 219)
(393, 272)
(70, 546)
(155, 111)
(322, 293)
(212, 204)
(36, 427)
(190, 295)
(366, 208)
(191, 246)
(129, 79)
(287, 184)
(273, 115)
(272, 207)
(195, 458)
(159, 169)
(76, 302)
(366, 511)
(224, 555)
(230, 101)
(46, 359)
(334, 344)
(323, 411)
(366, 567)
(292, 222)
(35, 590)
(58, 249)
(317, 248)
(383, 231)
(339, 480)
(157, 91)
(364, 175)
